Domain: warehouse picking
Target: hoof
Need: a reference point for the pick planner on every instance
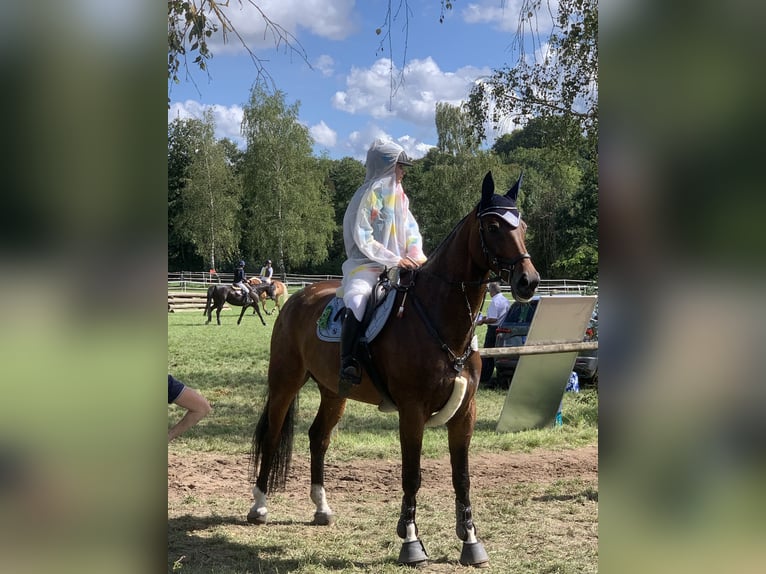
(413, 553)
(323, 519)
(473, 554)
(254, 517)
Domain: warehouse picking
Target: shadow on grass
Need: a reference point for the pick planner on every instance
(191, 549)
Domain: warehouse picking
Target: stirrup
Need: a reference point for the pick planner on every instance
(351, 371)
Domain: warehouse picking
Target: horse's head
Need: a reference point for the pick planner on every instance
(502, 233)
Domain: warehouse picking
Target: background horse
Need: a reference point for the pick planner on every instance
(218, 295)
(424, 356)
(280, 292)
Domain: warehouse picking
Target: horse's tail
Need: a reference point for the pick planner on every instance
(280, 463)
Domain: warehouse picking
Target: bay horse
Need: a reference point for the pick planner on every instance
(280, 291)
(218, 295)
(424, 355)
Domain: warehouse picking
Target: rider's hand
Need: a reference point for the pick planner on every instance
(407, 263)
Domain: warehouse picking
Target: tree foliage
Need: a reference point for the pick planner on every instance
(560, 82)
(455, 133)
(287, 216)
(344, 177)
(182, 138)
(209, 197)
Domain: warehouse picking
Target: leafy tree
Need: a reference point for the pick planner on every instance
(454, 130)
(209, 198)
(183, 138)
(443, 188)
(287, 213)
(555, 132)
(344, 177)
(563, 83)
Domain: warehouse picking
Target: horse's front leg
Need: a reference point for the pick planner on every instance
(257, 310)
(411, 427)
(460, 431)
(330, 411)
(241, 314)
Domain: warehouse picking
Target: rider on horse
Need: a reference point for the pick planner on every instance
(267, 274)
(379, 231)
(240, 281)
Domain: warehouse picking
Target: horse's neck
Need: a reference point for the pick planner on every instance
(453, 286)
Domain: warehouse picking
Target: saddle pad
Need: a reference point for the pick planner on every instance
(329, 323)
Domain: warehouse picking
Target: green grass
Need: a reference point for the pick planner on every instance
(228, 364)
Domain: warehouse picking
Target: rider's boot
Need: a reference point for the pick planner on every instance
(350, 370)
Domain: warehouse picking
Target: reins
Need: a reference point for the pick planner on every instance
(458, 361)
(499, 263)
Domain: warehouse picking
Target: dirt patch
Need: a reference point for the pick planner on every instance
(226, 476)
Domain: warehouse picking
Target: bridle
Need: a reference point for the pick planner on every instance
(500, 265)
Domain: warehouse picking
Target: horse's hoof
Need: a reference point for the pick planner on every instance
(413, 553)
(255, 517)
(323, 519)
(473, 554)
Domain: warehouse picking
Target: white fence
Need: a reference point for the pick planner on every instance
(200, 280)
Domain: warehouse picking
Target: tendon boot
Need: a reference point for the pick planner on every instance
(350, 370)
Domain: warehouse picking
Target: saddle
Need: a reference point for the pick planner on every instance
(376, 315)
(379, 307)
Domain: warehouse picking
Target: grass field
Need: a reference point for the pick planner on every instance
(535, 493)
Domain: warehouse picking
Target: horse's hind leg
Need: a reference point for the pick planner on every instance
(273, 437)
(330, 411)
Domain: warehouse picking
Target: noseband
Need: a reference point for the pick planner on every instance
(500, 264)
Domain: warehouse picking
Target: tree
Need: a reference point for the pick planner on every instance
(563, 83)
(344, 177)
(455, 132)
(183, 136)
(288, 214)
(209, 198)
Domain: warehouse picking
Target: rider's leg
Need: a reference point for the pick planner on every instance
(350, 370)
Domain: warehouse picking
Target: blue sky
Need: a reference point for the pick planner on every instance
(345, 96)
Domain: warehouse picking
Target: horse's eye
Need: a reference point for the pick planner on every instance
(493, 227)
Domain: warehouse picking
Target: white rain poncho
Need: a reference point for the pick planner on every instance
(378, 228)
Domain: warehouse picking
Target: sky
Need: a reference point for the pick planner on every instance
(344, 84)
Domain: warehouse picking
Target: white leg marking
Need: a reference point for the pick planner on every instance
(411, 532)
(471, 536)
(259, 506)
(319, 499)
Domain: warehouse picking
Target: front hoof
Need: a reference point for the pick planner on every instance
(323, 519)
(413, 553)
(256, 517)
(473, 554)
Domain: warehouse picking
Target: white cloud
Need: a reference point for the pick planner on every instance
(323, 135)
(228, 119)
(358, 142)
(369, 90)
(325, 64)
(504, 16)
(332, 20)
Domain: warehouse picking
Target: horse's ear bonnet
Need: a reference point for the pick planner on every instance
(501, 205)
